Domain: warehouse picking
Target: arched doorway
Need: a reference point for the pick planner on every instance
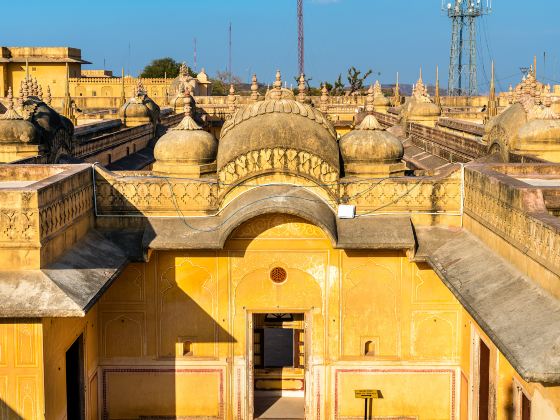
(278, 270)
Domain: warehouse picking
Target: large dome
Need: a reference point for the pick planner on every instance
(278, 124)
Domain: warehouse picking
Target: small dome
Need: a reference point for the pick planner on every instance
(369, 150)
(369, 142)
(186, 150)
(282, 93)
(415, 108)
(134, 109)
(14, 129)
(17, 131)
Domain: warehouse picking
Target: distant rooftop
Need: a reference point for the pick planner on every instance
(41, 55)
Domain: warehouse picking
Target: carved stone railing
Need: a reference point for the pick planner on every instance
(515, 210)
(129, 193)
(463, 126)
(111, 140)
(45, 203)
(386, 120)
(450, 147)
(424, 194)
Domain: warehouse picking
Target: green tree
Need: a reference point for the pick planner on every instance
(355, 81)
(160, 67)
(219, 88)
(338, 87)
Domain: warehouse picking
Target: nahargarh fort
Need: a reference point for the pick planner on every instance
(167, 253)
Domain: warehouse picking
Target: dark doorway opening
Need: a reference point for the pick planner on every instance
(75, 390)
(279, 365)
(525, 407)
(484, 384)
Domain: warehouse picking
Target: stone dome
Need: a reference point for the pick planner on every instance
(17, 131)
(134, 108)
(370, 150)
(186, 150)
(140, 109)
(524, 127)
(14, 129)
(278, 124)
(415, 108)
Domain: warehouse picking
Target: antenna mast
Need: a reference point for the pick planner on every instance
(301, 62)
(463, 15)
(229, 57)
(194, 54)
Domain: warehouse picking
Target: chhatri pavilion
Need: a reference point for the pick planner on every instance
(271, 264)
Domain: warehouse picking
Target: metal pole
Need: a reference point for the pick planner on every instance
(370, 408)
(365, 409)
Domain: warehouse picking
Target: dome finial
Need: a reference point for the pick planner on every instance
(369, 99)
(140, 89)
(187, 101)
(11, 113)
(302, 88)
(232, 99)
(48, 98)
(254, 88)
(278, 81)
(369, 123)
(277, 87)
(324, 98)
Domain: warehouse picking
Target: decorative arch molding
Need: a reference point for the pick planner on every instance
(278, 160)
(283, 199)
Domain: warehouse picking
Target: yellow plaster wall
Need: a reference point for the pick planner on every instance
(505, 382)
(21, 370)
(47, 74)
(59, 335)
(208, 297)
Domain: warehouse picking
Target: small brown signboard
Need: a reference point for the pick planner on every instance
(368, 393)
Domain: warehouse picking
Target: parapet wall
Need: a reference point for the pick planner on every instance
(508, 212)
(44, 213)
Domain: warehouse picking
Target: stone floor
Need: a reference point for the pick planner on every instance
(271, 408)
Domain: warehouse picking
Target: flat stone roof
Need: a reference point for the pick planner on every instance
(521, 318)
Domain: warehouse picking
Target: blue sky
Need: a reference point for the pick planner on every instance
(384, 35)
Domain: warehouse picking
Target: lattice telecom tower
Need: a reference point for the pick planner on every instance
(462, 60)
(300, 40)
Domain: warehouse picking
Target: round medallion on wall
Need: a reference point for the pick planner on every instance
(278, 275)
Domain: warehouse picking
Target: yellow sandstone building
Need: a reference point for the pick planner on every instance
(276, 271)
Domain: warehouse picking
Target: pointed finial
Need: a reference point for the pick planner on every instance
(397, 93)
(369, 123)
(535, 66)
(10, 99)
(420, 73)
(11, 113)
(187, 123)
(48, 98)
(231, 89)
(437, 99)
(35, 87)
(21, 95)
(25, 89)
